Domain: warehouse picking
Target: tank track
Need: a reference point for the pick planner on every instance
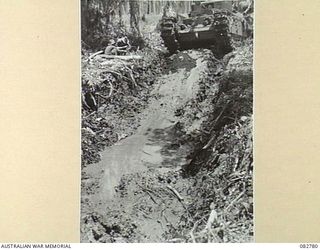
(223, 38)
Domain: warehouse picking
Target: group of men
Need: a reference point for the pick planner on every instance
(120, 46)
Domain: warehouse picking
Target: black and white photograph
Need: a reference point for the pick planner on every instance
(167, 121)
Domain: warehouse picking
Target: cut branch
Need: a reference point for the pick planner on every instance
(180, 198)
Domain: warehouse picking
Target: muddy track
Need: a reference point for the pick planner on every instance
(137, 192)
(154, 150)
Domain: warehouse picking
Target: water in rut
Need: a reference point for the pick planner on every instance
(143, 150)
(153, 146)
(140, 191)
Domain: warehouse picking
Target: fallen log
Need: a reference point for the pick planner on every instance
(113, 63)
(125, 58)
(94, 54)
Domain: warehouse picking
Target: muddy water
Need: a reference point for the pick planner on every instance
(144, 149)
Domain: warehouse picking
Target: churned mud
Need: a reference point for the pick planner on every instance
(142, 190)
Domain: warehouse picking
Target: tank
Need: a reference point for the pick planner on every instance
(209, 24)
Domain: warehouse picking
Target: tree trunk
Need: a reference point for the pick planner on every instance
(121, 9)
(134, 17)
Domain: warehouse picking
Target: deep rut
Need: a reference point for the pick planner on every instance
(150, 151)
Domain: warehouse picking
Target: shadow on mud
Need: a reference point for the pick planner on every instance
(177, 61)
(174, 147)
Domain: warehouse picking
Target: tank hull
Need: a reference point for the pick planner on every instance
(210, 24)
(207, 31)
